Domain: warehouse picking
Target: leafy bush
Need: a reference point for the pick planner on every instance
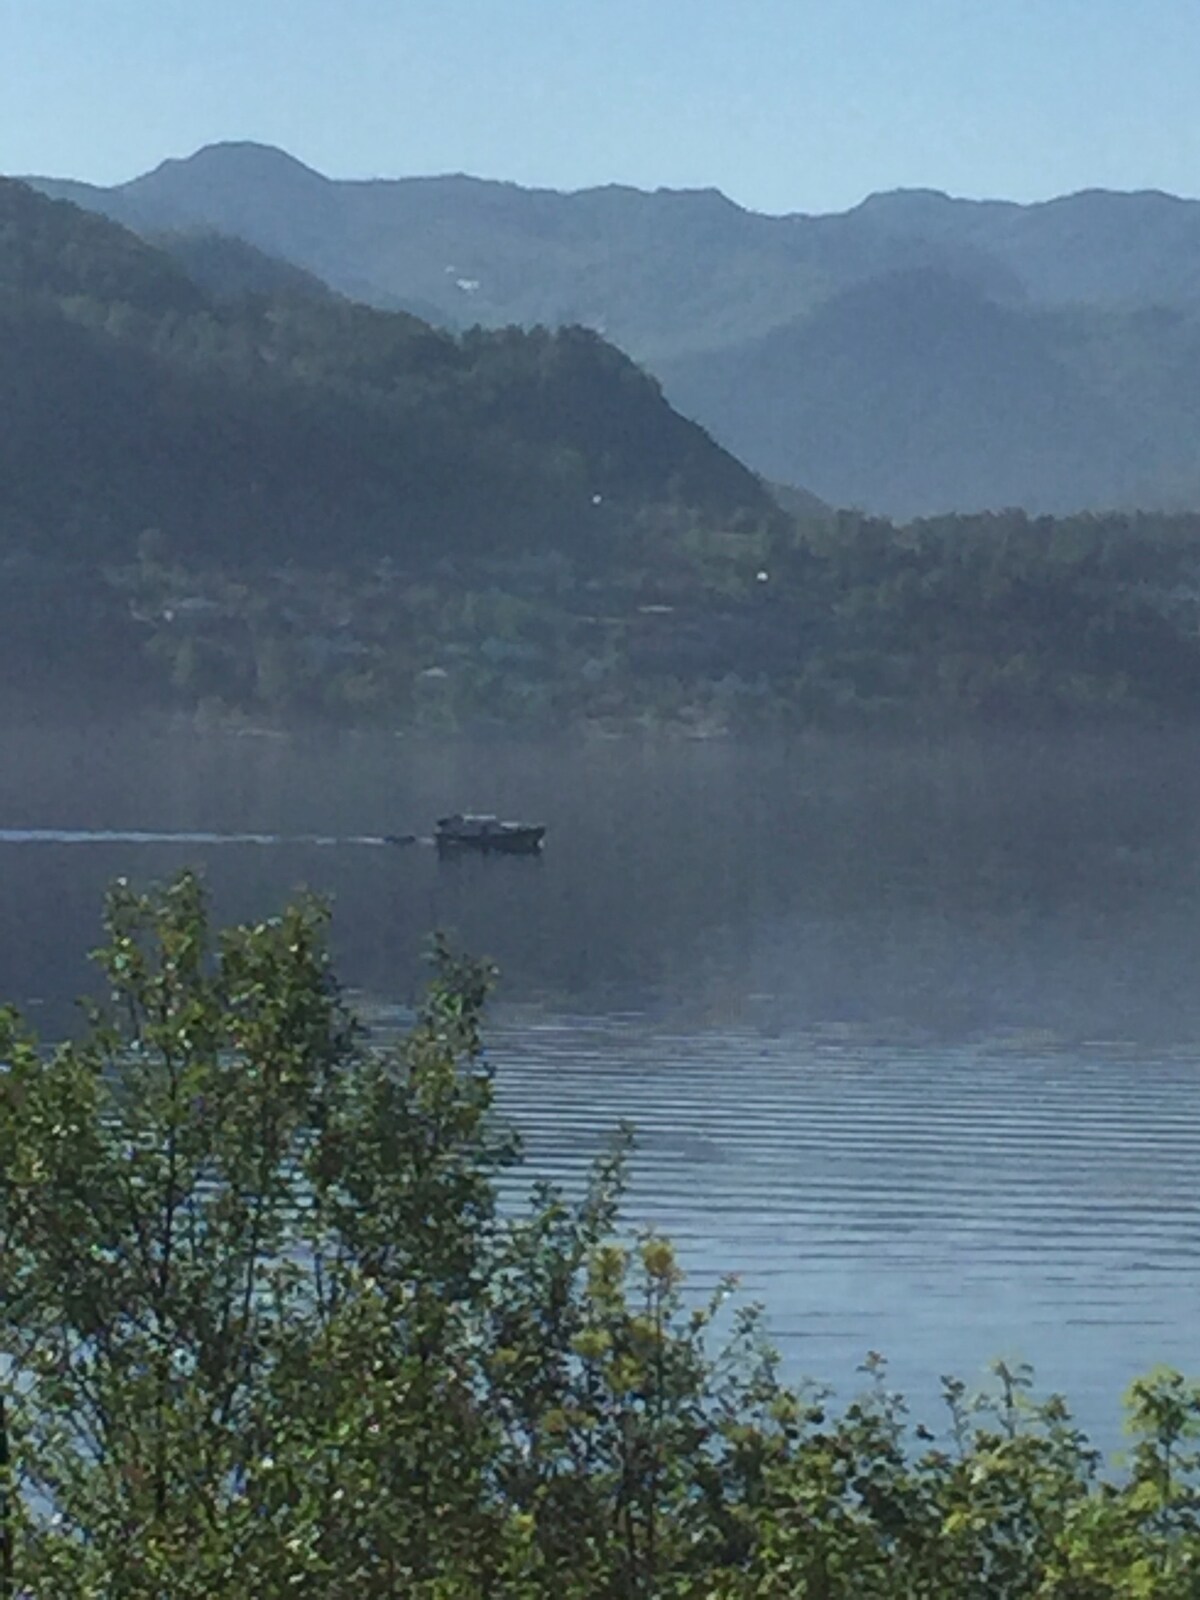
(268, 1329)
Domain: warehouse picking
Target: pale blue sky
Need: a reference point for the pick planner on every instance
(786, 105)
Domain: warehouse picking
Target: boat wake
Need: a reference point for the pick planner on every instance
(140, 836)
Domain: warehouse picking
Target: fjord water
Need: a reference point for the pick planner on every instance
(909, 1030)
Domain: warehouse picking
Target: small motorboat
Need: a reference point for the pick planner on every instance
(473, 831)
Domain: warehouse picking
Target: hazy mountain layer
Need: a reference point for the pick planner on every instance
(914, 354)
(919, 393)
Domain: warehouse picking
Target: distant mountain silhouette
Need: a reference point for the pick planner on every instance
(913, 354)
(926, 396)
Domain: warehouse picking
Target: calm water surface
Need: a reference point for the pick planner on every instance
(910, 1033)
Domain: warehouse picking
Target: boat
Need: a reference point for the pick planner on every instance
(475, 831)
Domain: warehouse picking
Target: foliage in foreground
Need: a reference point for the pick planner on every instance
(274, 1323)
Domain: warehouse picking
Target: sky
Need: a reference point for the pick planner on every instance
(785, 105)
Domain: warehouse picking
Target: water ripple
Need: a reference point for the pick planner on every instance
(946, 1204)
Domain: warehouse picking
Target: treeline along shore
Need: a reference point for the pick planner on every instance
(846, 622)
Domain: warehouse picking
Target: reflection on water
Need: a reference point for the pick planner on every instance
(909, 1030)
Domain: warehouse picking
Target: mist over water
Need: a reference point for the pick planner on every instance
(910, 1031)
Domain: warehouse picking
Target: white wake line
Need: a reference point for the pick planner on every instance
(139, 836)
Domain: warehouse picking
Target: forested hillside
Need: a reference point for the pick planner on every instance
(226, 489)
(913, 356)
(299, 426)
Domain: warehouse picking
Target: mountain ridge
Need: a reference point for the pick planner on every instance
(276, 156)
(696, 287)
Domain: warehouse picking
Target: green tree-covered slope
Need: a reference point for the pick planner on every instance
(300, 426)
